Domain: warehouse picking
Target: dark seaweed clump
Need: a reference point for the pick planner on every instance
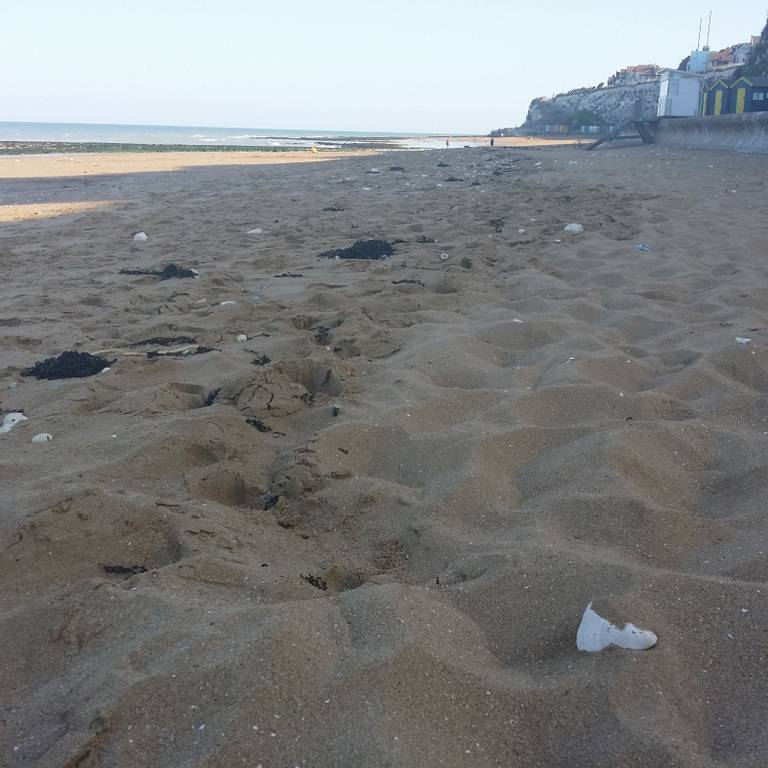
(166, 273)
(362, 249)
(68, 365)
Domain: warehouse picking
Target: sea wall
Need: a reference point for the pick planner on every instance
(738, 133)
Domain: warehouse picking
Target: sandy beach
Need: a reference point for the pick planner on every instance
(365, 536)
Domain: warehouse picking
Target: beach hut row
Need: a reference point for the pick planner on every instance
(747, 94)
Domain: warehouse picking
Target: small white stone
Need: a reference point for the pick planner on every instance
(140, 237)
(573, 229)
(242, 337)
(43, 437)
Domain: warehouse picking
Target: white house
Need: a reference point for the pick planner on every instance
(679, 94)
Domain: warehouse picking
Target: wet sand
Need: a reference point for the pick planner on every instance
(525, 421)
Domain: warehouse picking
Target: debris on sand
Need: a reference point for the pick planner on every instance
(408, 281)
(334, 208)
(124, 570)
(290, 274)
(318, 582)
(164, 341)
(10, 420)
(68, 365)
(140, 237)
(211, 397)
(167, 273)
(573, 229)
(261, 360)
(443, 165)
(454, 178)
(595, 634)
(262, 427)
(193, 349)
(269, 500)
(43, 437)
(396, 168)
(362, 249)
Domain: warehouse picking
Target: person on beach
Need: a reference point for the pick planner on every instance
(491, 142)
(446, 142)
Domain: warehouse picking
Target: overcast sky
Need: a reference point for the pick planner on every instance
(401, 65)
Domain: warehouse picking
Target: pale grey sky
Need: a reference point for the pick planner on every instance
(402, 65)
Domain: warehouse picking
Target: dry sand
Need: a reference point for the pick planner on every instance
(483, 480)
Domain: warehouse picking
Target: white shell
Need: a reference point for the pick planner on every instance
(10, 420)
(140, 237)
(242, 337)
(574, 229)
(43, 437)
(443, 256)
(595, 634)
(226, 303)
(256, 231)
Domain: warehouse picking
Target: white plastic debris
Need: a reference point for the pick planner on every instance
(443, 256)
(242, 337)
(643, 248)
(743, 340)
(43, 437)
(573, 229)
(10, 420)
(374, 170)
(596, 634)
(255, 231)
(227, 303)
(140, 237)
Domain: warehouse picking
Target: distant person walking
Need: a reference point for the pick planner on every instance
(491, 141)
(446, 142)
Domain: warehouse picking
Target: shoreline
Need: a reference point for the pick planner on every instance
(16, 148)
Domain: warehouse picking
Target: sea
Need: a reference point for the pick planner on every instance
(210, 136)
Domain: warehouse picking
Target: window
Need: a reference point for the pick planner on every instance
(758, 95)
